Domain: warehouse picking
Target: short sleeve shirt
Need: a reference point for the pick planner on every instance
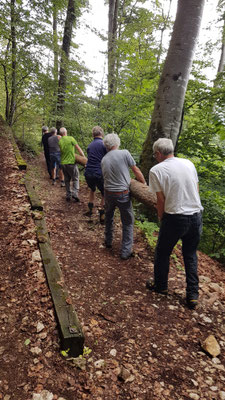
(115, 168)
(67, 149)
(177, 179)
(95, 151)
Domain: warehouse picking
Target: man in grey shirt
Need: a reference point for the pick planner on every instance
(115, 168)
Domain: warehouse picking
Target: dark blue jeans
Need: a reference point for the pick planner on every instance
(174, 227)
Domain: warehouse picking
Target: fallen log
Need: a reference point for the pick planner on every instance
(80, 160)
(142, 193)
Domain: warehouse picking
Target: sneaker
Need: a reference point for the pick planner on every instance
(76, 199)
(192, 303)
(53, 181)
(127, 257)
(153, 288)
(62, 183)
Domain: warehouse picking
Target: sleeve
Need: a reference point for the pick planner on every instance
(154, 184)
(130, 160)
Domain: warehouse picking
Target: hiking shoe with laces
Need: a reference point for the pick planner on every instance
(153, 288)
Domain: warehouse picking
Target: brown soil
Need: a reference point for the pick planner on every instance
(142, 345)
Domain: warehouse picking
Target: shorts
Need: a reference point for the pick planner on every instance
(55, 159)
(95, 181)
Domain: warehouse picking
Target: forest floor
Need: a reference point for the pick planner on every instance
(141, 345)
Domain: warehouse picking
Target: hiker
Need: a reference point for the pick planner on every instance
(67, 145)
(175, 182)
(55, 156)
(45, 136)
(93, 172)
(115, 168)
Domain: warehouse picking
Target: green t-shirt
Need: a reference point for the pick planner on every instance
(67, 149)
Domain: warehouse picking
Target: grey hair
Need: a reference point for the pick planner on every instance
(111, 140)
(44, 129)
(97, 131)
(63, 131)
(164, 146)
(53, 130)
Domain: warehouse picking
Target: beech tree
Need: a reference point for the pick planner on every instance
(167, 115)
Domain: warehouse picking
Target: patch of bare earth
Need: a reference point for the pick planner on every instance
(143, 345)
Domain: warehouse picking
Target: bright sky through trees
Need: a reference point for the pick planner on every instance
(92, 48)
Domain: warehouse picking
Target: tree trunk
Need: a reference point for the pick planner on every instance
(112, 37)
(222, 56)
(167, 114)
(56, 58)
(70, 18)
(13, 75)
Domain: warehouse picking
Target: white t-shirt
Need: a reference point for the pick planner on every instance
(177, 179)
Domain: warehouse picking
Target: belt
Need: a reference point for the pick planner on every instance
(117, 193)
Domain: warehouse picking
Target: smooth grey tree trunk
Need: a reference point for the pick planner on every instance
(112, 37)
(167, 115)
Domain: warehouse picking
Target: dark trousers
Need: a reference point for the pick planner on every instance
(48, 163)
(174, 227)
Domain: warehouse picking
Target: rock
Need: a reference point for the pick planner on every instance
(44, 395)
(40, 327)
(99, 363)
(36, 256)
(194, 396)
(80, 363)
(217, 288)
(113, 352)
(211, 346)
(125, 375)
(35, 350)
(222, 395)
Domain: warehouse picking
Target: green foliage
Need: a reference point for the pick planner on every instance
(150, 230)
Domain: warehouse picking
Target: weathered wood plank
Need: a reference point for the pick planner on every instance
(70, 330)
(34, 199)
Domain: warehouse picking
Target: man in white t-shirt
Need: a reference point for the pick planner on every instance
(175, 182)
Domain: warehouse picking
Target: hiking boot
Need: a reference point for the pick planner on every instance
(89, 213)
(102, 216)
(153, 288)
(192, 303)
(53, 181)
(62, 183)
(127, 256)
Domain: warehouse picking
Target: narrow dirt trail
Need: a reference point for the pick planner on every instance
(143, 345)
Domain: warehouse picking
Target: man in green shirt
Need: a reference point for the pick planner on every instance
(67, 146)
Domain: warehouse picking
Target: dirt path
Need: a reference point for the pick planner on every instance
(143, 345)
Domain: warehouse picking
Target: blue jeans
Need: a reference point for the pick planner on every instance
(123, 202)
(174, 227)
